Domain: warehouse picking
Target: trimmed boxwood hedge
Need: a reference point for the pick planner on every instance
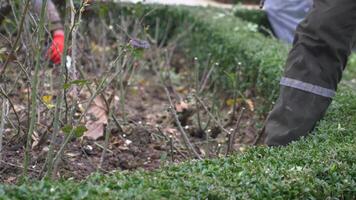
(256, 2)
(321, 166)
(255, 16)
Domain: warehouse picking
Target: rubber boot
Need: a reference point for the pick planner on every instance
(294, 115)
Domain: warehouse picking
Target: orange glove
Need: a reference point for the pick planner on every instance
(55, 51)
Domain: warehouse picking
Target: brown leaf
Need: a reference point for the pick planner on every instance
(11, 180)
(36, 139)
(250, 104)
(98, 119)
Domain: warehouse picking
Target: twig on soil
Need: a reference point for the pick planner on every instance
(233, 135)
(181, 129)
(18, 166)
(102, 147)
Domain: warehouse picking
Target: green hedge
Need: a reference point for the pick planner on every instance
(257, 2)
(255, 16)
(230, 41)
(321, 166)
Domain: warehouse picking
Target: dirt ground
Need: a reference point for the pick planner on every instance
(143, 132)
(144, 141)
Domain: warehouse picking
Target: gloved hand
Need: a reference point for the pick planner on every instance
(55, 51)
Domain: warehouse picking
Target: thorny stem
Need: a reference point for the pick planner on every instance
(197, 91)
(105, 147)
(34, 87)
(233, 135)
(14, 46)
(122, 93)
(73, 67)
(107, 131)
(184, 134)
(57, 114)
(2, 92)
(2, 123)
(172, 148)
(63, 79)
(235, 94)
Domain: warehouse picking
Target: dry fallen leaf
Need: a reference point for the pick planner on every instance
(250, 104)
(36, 139)
(98, 119)
(11, 180)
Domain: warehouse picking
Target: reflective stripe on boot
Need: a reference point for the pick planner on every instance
(307, 87)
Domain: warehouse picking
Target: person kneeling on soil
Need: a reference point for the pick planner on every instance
(55, 51)
(314, 68)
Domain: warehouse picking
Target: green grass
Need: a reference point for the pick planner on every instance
(320, 166)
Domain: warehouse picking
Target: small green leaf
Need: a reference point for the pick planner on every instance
(67, 129)
(79, 131)
(80, 82)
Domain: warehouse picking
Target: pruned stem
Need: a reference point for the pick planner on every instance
(233, 135)
(34, 88)
(4, 112)
(187, 143)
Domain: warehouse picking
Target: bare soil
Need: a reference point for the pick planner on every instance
(147, 137)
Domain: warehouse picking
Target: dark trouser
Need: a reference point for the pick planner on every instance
(320, 50)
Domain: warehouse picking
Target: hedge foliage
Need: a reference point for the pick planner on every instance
(255, 16)
(321, 166)
(257, 2)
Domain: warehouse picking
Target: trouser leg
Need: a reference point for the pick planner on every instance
(52, 16)
(314, 68)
